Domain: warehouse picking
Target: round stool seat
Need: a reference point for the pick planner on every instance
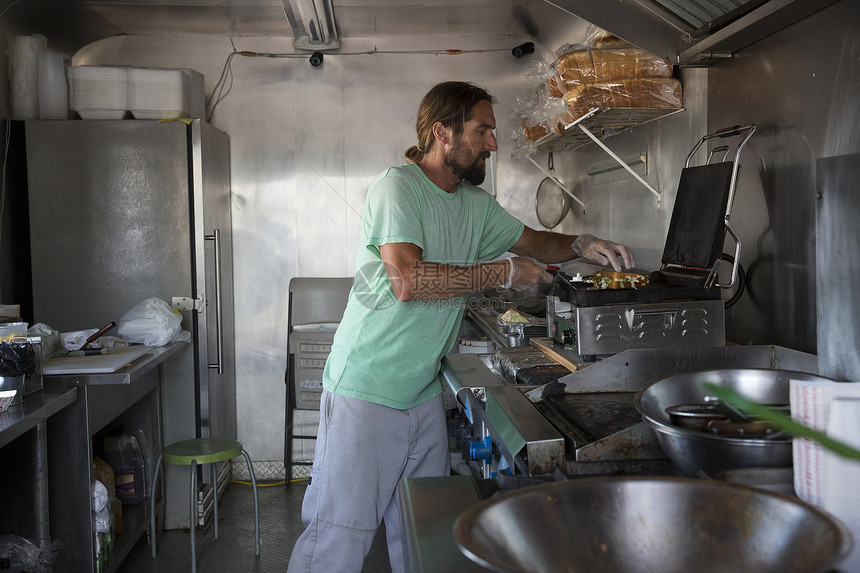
(202, 451)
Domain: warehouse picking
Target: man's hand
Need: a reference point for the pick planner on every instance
(524, 274)
(601, 252)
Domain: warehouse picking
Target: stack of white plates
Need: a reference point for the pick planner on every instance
(158, 93)
(100, 92)
(53, 90)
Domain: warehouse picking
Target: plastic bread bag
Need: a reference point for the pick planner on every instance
(540, 113)
(595, 37)
(539, 71)
(603, 57)
(608, 64)
(656, 93)
(154, 323)
(523, 114)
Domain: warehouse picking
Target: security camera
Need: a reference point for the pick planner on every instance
(523, 49)
(317, 59)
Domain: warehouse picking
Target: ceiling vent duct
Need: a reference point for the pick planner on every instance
(692, 32)
(313, 24)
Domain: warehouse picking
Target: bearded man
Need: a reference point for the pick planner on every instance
(426, 229)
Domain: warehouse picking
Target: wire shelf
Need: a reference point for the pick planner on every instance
(602, 122)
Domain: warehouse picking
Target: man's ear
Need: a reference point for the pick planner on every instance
(442, 134)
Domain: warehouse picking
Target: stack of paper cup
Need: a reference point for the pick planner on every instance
(841, 483)
(53, 90)
(810, 402)
(24, 75)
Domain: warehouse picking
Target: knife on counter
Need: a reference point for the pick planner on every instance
(82, 350)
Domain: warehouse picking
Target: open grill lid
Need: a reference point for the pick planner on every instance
(697, 227)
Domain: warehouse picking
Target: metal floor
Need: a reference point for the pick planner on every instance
(280, 526)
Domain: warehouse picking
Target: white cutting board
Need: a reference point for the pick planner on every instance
(96, 363)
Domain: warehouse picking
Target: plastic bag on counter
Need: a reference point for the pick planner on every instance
(51, 340)
(154, 323)
(74, 340)
(19, 555)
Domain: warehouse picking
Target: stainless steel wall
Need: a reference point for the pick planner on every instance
(800, 86)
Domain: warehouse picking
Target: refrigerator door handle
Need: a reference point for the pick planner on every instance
(216, 237)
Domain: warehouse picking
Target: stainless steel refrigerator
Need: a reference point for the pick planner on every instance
(121, 211)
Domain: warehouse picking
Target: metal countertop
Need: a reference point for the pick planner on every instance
(35, 409)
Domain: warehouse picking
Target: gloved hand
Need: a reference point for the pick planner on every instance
(524, 274)
(604, 253)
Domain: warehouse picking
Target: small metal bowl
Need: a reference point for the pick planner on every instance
(694, 416)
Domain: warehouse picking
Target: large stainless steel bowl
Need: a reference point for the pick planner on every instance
(695, 452)
(649, 524)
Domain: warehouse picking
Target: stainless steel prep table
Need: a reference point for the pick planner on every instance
(31, 416)
(129, 396)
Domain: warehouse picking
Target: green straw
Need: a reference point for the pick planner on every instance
(780, 420)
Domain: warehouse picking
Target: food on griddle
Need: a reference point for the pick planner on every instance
(614, 280)
(514, 316)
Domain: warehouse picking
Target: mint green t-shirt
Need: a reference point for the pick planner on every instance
(387, 351)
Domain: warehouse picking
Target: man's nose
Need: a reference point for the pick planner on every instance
(492, 144)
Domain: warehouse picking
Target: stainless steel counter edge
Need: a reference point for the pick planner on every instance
(637, 368)
(429, 507)
(124, 375)
(35, 409)
(513, 422)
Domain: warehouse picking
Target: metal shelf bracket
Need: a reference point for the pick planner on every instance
(620, 162)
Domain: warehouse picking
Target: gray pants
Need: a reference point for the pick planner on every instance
(363, 450)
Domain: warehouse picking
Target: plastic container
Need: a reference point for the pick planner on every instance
(6, 397)
(123, 454)
(12, 384)
(11, 330)
(53, 89)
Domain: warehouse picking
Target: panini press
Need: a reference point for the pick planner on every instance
(682, 304)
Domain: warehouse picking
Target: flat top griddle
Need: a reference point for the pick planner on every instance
(584, 294)
(595, 415)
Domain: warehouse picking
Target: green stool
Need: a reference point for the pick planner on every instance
(202, 451)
